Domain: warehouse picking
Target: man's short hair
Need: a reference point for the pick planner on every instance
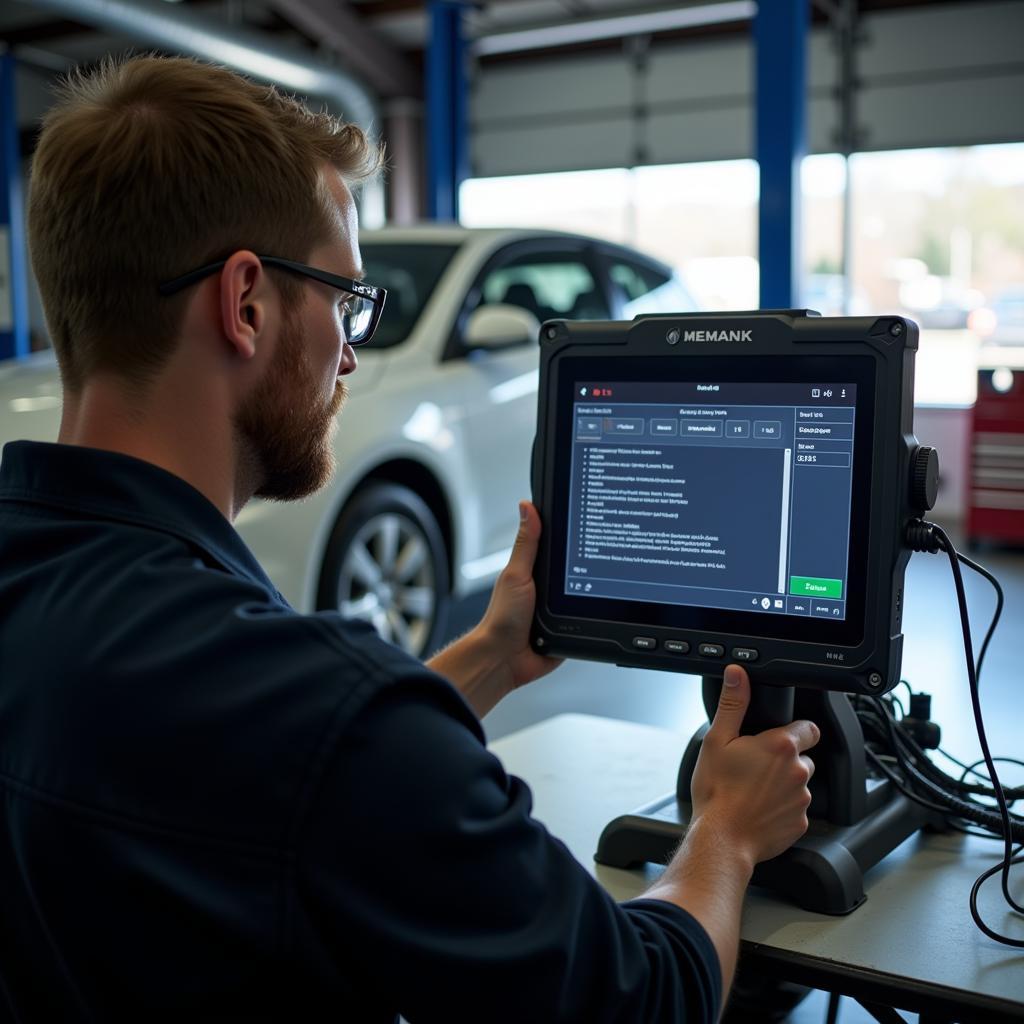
(150, 167)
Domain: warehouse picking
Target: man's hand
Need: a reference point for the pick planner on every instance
(753, 788)
(750, 801)
(495, 657)
(506, 623)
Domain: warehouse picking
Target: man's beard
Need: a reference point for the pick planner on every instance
(285, 438)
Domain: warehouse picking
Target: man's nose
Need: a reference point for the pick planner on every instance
(348, 360)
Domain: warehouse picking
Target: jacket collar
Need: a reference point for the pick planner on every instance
(121, 488)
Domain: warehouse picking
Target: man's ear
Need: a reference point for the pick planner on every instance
(243, 295)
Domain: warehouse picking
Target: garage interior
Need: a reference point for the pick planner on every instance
(863, 154)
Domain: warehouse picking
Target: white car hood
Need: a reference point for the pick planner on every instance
(370, 370)
(30, 398)
(31, 395)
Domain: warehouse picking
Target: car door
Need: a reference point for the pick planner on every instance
(551, 278)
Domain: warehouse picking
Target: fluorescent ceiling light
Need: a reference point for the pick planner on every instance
(615, 27)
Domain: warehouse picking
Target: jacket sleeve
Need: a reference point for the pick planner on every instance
(424, 875)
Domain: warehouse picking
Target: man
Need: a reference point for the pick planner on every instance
(218, 808)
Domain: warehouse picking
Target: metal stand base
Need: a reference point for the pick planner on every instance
(855, 819)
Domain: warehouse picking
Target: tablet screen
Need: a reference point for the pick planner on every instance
(727, 494)
(715, 493)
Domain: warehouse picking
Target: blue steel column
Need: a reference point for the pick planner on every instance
(13, 320)
(780, 40)
(447, 104)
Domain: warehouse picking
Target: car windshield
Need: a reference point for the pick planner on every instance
(410, 272)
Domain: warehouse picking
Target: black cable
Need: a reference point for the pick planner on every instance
(970, 768)
(899, 738)
(1004, 866)
(972, 673)
(922, 536)
(910, 689)
(978, 813)
(899, 704)
(1010, 794)
(880, 721)
(984, 788)
(958, 762)
(901, 786)
(982, 571)
(959, 826)
(917, 769)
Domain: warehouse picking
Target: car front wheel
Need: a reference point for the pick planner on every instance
(386, 563)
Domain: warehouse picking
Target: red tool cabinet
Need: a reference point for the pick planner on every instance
(995, 481)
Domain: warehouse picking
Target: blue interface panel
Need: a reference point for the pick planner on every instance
(730, 495)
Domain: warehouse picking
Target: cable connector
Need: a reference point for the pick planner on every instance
(918, 723)
(923, 536)
(920, 706)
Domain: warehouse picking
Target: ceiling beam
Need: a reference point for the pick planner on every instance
(362, 50)
(244, 49)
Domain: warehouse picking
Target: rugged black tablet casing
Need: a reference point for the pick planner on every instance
(872, 666)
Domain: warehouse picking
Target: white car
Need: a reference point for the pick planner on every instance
(434, 442)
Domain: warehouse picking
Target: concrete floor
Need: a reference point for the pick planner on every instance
(933, 662)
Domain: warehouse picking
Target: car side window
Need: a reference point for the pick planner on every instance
(548, 285)
(646, 289)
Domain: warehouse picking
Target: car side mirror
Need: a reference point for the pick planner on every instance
(500, 326)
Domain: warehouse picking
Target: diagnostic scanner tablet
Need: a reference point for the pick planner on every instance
(729, 487)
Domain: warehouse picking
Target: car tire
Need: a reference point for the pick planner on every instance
(386, 563)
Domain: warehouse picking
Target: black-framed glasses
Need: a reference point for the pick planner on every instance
(362, 311)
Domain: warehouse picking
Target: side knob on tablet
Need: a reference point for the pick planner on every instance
(924, 477)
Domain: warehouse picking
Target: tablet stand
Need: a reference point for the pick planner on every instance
(856, 818)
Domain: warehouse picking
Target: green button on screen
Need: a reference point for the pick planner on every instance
(811, 586)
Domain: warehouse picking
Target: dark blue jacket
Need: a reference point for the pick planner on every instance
(215, 808)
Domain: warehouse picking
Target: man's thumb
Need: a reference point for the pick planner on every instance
(732, 705)
(524, 551)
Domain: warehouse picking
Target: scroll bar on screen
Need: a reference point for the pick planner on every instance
(784, 525)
